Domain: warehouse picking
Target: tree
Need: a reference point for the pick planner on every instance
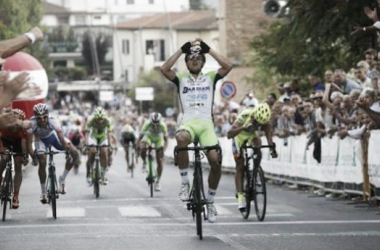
(102, 43)
(165, 94)
(17, 17)
(313, 37)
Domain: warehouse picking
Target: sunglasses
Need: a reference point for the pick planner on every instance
(40, 118)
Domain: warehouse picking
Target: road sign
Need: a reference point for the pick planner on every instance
(144, 94)
(228, 89)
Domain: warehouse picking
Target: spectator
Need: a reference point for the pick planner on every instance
(249, 100)
(315, 83)
(346, 84)
(362, 78)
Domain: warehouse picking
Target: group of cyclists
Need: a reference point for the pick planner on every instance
(196, 95)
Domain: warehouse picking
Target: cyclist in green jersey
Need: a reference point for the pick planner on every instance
(246, 129)
(98, 131)
(154, 131)
(196, 96)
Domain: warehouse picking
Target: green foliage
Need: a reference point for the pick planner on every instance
(102, 44)
(313, 37)
(165, 93)
(70, 74)
(19, 16)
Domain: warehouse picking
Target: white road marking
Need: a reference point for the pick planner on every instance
(222, 211)
(158, 224)
(139, 211)
(67, 212)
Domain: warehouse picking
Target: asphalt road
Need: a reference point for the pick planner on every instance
(125, 217)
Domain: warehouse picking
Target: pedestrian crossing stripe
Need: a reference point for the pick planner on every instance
(139, 211)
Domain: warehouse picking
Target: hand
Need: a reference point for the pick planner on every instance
(204, 48)
(358, 31)
(7, 120)
(3, 77)
(14, 87)
(25, 160)
(34, 161)
(186, 48)
(273, 153)
(36, 31)
(371, 14)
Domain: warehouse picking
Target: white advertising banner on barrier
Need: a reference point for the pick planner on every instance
(374, 158)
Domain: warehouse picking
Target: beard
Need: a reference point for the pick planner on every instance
(195, 71)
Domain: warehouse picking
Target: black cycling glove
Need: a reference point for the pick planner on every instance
(186, 48)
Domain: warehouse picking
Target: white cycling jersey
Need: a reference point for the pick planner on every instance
(42, 133)
(197, 95)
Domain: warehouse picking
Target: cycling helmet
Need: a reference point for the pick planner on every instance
(262, 113)
(155, 118)
(40, 109)
(19, 113)
(99, 113)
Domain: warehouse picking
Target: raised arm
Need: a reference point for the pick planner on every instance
(11, 46)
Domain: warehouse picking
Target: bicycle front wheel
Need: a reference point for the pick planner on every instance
(96, 178)
(247, 186)
(53, 196)
(260, 193)
(150, 174)
(132, 160)
(6, 192)
(198, 205)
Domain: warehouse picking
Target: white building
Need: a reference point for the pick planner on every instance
(145, 43)
(107, 12)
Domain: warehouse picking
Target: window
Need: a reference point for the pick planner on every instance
(97, 17)
(151, 1)
(80, 19)
(156, 48)
(125, 47)
(130, 1)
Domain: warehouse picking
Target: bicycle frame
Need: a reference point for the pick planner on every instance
(7, 183)
(97, 172)
(151, 169)
(252, 182)
(197, 199)
(51, 182)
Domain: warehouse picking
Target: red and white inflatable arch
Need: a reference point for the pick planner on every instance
(19, 63)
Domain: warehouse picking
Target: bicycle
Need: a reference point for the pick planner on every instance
(254, 184)
(197, 199)
(97, 172)
(7, 184)
(131, 158)
(51, 182)
(151, 169)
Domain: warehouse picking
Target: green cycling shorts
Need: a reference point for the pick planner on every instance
(204, 130)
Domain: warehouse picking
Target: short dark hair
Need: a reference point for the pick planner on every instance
(273, 95)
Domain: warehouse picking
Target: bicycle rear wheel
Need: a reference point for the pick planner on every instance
(96, 179)
(247, 186)
(198, 205)
(6, 192)
(260, 193)
(53, 196)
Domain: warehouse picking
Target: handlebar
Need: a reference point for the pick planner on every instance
(8, 152)
(259, 147)
(197, 148)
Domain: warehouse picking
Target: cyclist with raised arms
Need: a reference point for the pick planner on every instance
(128, 138)
(98, 131)
(14, 137)
(246, 129)
(196, 95)
(154, 131)
(47, 131)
